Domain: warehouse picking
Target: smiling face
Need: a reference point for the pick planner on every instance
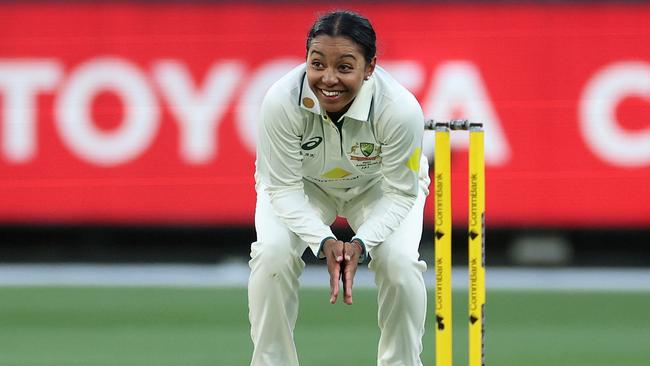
(336, 70)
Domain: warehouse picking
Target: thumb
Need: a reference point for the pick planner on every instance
(338, 251)
(347, 251)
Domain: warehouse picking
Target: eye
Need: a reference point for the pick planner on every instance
(317, 64)
(345, 68)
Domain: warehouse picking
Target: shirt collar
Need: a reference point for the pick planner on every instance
(359, 110)
(308, 99)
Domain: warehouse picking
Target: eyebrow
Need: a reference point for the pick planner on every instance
(343, 56)
(349, 55)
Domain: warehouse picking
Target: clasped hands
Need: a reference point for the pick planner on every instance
(342, 262)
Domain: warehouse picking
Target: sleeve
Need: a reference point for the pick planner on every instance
(279, 163)
(400, 136)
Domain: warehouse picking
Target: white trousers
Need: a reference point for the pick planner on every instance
(276, 265)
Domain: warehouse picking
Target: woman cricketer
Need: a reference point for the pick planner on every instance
(339, 136)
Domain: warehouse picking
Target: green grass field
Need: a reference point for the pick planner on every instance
(115, 326)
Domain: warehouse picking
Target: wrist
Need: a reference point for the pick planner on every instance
(358, 245)
(362, 246)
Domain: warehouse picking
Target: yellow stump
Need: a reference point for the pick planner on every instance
(442, 239)
(476, 269)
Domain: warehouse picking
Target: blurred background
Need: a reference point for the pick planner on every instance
(127, 148)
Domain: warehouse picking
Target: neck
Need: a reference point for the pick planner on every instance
(335, 116)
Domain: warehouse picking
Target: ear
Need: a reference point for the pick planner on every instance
(370, 68)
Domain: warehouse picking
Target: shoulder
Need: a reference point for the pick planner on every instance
(394, 102)
(285, 92)
(280, 110)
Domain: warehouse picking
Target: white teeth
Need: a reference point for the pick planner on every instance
(330, 93)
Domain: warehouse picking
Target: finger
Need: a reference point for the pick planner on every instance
(347, 287)
(335, 275)
(348, 279)
(348, 283)
(334, 254)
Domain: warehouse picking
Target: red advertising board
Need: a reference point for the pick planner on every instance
(146, 113)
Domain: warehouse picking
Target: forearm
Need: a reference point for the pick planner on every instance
(293, 208)
(386, 217)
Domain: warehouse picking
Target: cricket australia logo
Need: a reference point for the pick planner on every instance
(365, 155)
(366, 148)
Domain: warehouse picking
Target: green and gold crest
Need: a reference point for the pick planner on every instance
(367, 148)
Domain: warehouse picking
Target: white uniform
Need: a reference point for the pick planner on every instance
(371, 172)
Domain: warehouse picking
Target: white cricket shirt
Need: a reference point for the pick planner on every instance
(379, 143)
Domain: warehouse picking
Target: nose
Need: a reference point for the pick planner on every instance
(330, 78)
